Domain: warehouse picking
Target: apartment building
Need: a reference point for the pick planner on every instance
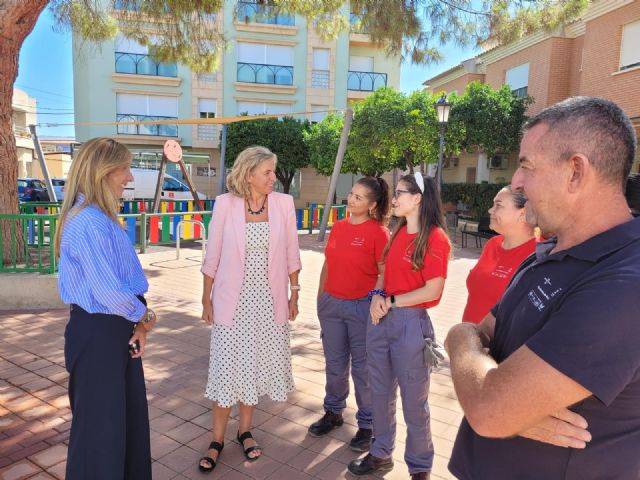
(23, 114)
(273, 63)
(598, 54)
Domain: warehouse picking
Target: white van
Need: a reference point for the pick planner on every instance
(144, 186)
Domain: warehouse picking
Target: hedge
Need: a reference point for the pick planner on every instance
(478, 197)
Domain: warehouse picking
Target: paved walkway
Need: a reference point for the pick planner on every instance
(35, 415)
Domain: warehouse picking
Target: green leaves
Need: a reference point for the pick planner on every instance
(487, 120)
(185, 31)
(283, 137)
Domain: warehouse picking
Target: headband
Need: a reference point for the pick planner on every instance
(419, 181)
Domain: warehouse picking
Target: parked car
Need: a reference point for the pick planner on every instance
(144, 184)
(58, 187)
(32, 190)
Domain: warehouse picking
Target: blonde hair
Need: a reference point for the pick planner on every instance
(244, 165)
(88, 176)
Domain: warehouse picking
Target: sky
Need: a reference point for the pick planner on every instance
(46, 72)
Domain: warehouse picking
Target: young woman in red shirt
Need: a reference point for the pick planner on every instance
(353, 257)
(415, 268)
(353, 263)
(501, 255)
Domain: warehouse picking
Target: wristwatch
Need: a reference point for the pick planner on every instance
(393, 301)
(149, 319)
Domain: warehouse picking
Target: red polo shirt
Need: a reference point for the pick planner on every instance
(489, 278)
(352, 254)
(399, 276)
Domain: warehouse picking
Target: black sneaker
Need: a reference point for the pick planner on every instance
(370, 464)
(362, 440)
(326, 424)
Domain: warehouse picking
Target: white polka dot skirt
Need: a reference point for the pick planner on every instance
(252, 358)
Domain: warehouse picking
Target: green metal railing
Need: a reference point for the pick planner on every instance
(36, 252)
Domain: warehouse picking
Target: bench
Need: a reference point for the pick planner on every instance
(483, 232)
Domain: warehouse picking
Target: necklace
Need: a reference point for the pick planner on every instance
(257, 212)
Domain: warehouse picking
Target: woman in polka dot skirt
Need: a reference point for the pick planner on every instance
(252, 261)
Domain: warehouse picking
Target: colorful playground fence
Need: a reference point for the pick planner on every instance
(38, 220)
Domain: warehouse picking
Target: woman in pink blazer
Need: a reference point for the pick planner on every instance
(252, 261)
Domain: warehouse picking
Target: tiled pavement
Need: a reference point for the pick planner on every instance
(35, 415)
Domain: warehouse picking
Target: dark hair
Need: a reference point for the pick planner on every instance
(595, 127)
(632, 193)
(431, 215)
(517, 196)
(378, 192)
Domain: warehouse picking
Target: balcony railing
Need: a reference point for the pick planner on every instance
(155, 130)
(252, 12)
(366, 81)
(269, 74)
(140, 64)
(356, 24)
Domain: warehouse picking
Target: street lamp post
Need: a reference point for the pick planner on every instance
(442, 109)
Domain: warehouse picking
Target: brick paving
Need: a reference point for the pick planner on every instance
(34, 408)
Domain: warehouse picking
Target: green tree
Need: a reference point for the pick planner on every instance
(283, 137)
(490, 120)
(323, 140)
(184, 31)
(391, 130)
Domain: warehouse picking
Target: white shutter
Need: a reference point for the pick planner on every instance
(630, 48)
(517, 77)
(206, 105)
(252, 108)
(128, 45)
(277, 108)
(131, 104)
(251, 53)
(360, 64)
(279, 55)
(320, 59)
(321, 112)
(163, 106)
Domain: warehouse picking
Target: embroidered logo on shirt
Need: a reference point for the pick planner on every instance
(357, 241)
(536, 299)
(502, 271)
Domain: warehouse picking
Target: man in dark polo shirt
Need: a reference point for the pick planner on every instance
(564, 340)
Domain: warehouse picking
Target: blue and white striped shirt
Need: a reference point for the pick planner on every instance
(99, 269)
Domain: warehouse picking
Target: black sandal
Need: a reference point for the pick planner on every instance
(217, 446)
(248, 450)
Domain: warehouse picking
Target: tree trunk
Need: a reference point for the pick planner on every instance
(17, 19)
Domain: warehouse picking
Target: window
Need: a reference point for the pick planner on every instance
(518, 79)
(629, 51)
(360, 64)
(135, 108)
(207, 77)
(259, 108)
(131, 57)
(259, 63)
(265, 54)
(206, 109)
(321, 112)
(320, 72)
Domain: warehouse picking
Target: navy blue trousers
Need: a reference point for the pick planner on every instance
(110, 425)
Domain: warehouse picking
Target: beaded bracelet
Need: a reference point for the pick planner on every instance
(377, 291)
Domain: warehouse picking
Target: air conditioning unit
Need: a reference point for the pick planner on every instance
(497, 162)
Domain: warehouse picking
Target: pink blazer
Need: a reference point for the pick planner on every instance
(225, 257)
